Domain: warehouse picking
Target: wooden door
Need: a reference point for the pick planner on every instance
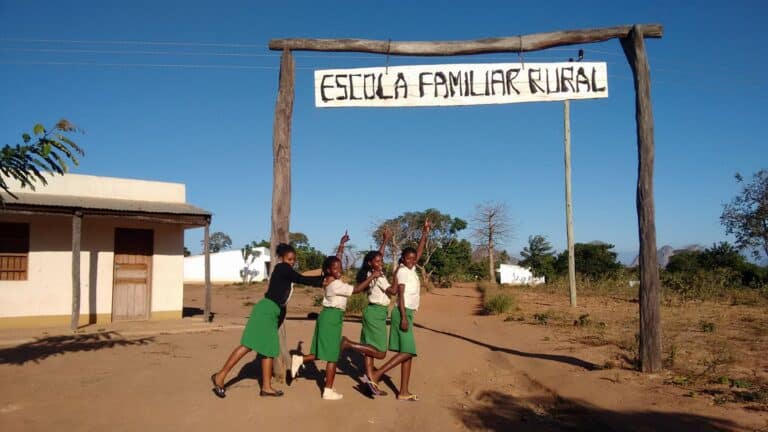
(132, 274)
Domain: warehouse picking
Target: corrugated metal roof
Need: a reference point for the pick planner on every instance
(107, 204)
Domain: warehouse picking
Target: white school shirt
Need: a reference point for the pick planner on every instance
(376, 291)
(336, 294)
(410, 279)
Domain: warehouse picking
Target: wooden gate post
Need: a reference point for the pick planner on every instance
(650, 315)
(207, 270)
(77, 234)
(281, 183)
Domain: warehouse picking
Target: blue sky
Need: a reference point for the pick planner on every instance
(209, 124)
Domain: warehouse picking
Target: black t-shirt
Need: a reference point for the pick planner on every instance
(280, 283)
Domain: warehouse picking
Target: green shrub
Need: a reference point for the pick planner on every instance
(707, 326)
(541, 318)
(317, 300)
(583, 321)
(356, 303)
(499, 303)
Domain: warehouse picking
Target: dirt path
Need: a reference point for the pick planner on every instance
(473, 372)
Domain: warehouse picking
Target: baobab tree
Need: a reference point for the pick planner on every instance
(491, 226)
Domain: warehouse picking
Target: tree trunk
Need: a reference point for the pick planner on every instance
(491, 273)
(281, 185)
(650, 315)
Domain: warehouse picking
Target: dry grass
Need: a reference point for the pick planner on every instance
(713, 348)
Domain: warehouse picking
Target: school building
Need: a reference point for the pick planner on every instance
(124, 237)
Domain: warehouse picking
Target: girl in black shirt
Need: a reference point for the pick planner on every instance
(260, 334)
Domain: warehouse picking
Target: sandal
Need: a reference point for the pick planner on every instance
(276, 393)
(217, 389)
(379, 391)
(409, 398)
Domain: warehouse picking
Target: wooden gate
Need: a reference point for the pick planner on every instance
(132, 274)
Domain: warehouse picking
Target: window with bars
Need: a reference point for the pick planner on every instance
(14, 251)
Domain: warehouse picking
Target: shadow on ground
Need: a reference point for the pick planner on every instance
(191, 311)
(573, 361)
(497, 411)
(46, 347)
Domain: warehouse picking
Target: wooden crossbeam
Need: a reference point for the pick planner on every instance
(522, 43)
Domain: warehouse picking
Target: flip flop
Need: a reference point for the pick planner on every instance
(409, 398)
(371, 386)
(277, 393)
(379, 391)
(217, 389)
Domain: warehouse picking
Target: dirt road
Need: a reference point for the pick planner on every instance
(473, 373)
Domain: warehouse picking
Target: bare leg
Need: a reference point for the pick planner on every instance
(405, 377)
(330, 374)
(309, 358)
(266, 375)
(394, 361)
(368, 366)
(234, 358)
(367, 350)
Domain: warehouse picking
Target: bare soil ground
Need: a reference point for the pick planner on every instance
(474, 372)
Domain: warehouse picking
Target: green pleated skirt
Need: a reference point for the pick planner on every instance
(374, 332)
(402, 341)
(326, 342)
(260, 333)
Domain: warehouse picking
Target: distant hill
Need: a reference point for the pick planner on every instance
(665, 253)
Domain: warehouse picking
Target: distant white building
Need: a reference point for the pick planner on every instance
(513, 274)
(228, 266)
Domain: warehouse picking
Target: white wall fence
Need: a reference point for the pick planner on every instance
(228, 267)
(516, 275)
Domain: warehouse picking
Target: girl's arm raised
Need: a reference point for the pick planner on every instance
(340, 250)
(423, 240)
(387, 237)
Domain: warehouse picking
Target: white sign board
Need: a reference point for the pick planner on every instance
(460, 84)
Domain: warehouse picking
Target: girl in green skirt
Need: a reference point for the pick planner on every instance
(373, 337)
(326, 342)
(260, 334)
(401, 338)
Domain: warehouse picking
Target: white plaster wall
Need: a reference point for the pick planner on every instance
(225, 267)
(48, 288)
(517, 275)
(108, 187)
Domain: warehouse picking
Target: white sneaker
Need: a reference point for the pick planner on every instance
(331, 394)
(297, 362)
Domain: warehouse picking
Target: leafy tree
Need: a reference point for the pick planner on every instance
(218, 241)
(451, 261)
(308, 258)
(263, 243)
(298, 239)
(490, 227)
(46, 151)
(746, 217)
(684, 261)
(722, 255)
(406, 231)
(539, 257)
(593, 260)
